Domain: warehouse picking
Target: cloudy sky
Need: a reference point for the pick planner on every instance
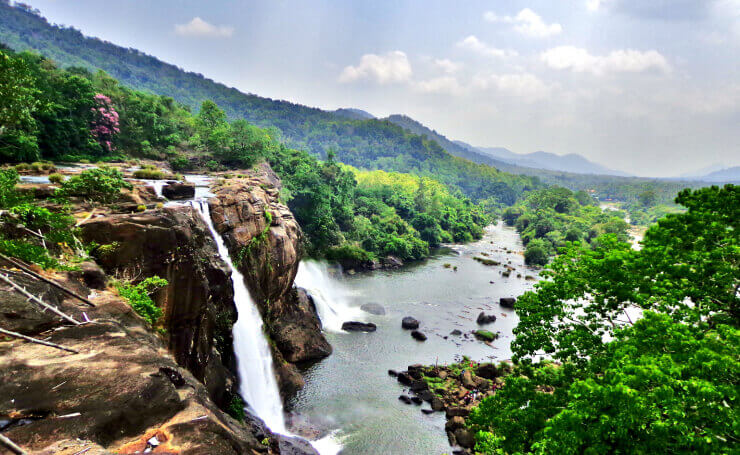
(651, 87)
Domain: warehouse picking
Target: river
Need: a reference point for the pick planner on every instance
(351, 389)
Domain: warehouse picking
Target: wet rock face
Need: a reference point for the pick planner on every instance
(174, 243)
(264, 241)
(119, 392)
(178, 190)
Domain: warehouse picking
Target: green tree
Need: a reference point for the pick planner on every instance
(18, 103)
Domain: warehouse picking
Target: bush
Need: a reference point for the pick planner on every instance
(180, 163)
(56, 178)
(100, 185)
(536, 253)
(150, 174)
(8, 194)
(139, 296)
(28, 252)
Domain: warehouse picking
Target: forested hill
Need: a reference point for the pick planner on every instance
(371, 143)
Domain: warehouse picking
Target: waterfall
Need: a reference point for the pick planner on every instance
(253, 357)
(328, 294)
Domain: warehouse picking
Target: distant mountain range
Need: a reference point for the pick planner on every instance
(501, 157)
(727, 175)
(353, 114)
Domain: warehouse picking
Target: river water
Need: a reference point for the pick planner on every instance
(351, 389)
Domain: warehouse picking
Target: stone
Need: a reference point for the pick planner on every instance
(373, 308)
(485, 335)
(409, 323)
(404, 378)
(393, 373)
(93, 276)
(507, 302)
(457, 411)
(455, 423)
(466, 378)
(442, 374)
(297, 331)
(456, 332)
(178, 190)
(464, 438)
(487, 370)
(437, 403)
(484, 318)
(426, 395)
(355, 326)
(416, 400)
(419, 336)
(427, 411)
(404, 399)
(391, 262)
(418, 386)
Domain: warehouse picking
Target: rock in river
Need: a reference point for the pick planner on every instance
(373, 308)
(484, 318)
(507, 302)
(177, 190)
(409, 323)
(354, 326)
(418, 335)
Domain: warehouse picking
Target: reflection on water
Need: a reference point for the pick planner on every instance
(351, 389)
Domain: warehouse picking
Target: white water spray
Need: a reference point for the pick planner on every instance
(330, 297)
(253, 356)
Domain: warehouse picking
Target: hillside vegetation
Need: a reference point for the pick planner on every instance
(68, 115)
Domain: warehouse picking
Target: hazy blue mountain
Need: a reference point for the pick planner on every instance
(703, 171)
(354, 114)
(728, 175)
(545, 160)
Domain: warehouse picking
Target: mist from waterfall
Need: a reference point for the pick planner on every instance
(329, 294)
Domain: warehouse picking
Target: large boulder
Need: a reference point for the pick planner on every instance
(297, 329)
(373, 308)
(507, 302)
(484, 318)
(354, 326)
(178, 190)
(409, 323)
(174, 243)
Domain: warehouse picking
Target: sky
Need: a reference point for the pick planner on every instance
(649, 87)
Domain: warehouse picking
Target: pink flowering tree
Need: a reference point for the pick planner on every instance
(105, 122)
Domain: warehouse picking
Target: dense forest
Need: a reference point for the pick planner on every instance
(549, 218)
(643, 344)
(69, 115)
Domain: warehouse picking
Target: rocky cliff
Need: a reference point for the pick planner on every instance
(122, 391)
(264, 240)
(174, 243)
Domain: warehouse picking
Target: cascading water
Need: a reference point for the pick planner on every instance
(329, 296)
(254, 359)
(253, 356)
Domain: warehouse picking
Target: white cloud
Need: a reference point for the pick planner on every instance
(526, 22)
(447, 65)
(521, 85)
(623, 60)
(200, 28)
(392, 67)
(472, 43)
(444, 84)
(594, 5)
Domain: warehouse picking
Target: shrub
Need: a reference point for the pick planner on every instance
(141, 208)
(179, 163)
(8, 194)
(28, 252)
(150, 174)
(139, 296)
(236, 408)
(56, 178)
(100, 185)
(536, 253)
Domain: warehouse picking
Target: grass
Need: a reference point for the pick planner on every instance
(486, 261)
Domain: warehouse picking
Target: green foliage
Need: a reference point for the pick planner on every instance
(18, 104)
(139, 296)
(549, 218)
(56, 178)
(663, 383)
(236, 408)
(8, 194)
(150, 174)
(28, 252)
(101, 184)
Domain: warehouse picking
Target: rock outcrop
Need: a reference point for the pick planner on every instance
(174, 243)
(264, 239)
(121, 392)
